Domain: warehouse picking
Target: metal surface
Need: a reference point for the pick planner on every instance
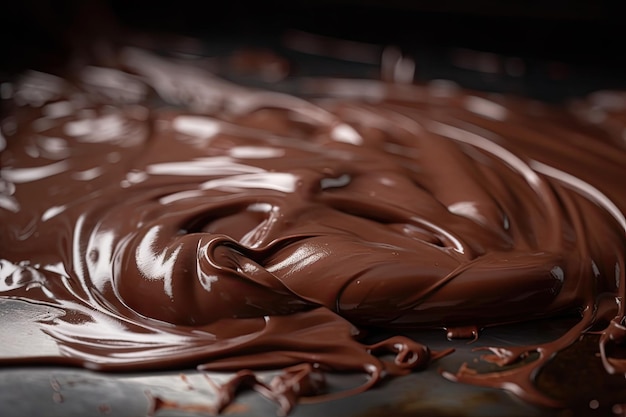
(57, 391)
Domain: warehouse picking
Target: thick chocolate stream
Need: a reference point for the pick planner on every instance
(181, 220)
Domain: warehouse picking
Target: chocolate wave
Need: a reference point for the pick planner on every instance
(180, 220)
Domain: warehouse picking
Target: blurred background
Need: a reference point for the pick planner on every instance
(550, 49)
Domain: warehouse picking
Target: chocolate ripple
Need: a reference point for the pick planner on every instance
(179, 220)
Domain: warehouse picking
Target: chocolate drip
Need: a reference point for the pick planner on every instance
(181, 220)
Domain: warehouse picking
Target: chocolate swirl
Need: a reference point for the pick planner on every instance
(181, 220)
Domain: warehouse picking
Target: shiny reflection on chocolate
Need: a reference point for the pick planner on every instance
(181, 220)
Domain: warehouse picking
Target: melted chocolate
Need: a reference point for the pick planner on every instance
(180, 220)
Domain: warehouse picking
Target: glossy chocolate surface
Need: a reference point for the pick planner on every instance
(177, 219)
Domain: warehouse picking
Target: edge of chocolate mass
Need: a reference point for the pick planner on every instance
(180, 220)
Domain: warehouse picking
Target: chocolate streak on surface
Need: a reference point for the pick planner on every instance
(181, 220)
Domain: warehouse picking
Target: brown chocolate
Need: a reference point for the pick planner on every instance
(181, 220)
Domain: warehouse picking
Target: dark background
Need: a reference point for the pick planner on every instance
(567, 48)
